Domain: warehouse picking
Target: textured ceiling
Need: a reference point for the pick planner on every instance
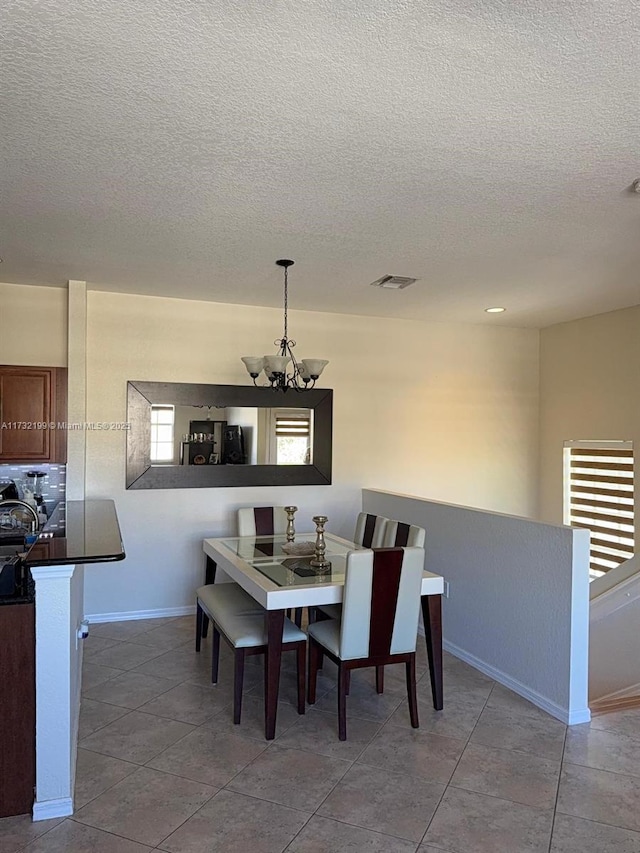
(179, 148)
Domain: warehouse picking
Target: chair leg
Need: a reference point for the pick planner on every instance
(215, 655)
(315, 657)
(348, 689)
(343, 678)
(238, 680)
(199, 618)
(301, 653)
(209, 577)
(411, 691)
(379, 679)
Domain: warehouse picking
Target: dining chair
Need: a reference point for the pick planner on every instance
(261, 520)
(397, 534)
(265, 521)
(370, 530)
(379, 625)
(226, 595)
(244, 629)
(255, 521)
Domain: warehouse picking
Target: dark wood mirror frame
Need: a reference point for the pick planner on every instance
(141, 474)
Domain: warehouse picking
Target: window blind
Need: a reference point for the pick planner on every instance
(292, 426)
(600, 497)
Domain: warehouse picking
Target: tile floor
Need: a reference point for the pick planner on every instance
(161, 765)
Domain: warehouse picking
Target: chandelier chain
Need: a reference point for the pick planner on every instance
(286, 300)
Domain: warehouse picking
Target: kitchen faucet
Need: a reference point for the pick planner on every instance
(34, 523)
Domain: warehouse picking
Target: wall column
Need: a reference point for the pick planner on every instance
(59, 594)
(77, 393)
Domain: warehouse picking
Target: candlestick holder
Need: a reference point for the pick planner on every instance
(319, 561)
(291, 530)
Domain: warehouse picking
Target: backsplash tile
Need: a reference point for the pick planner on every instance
(53, 487)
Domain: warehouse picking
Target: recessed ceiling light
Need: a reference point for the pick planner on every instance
(495, 310)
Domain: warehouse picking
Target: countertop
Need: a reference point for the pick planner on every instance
(78, 532)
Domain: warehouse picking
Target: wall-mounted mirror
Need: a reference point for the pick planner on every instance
(206, 436)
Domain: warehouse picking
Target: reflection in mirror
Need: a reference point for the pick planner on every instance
(235, 435)
(185, 436)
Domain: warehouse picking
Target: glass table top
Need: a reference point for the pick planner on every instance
(265, 554)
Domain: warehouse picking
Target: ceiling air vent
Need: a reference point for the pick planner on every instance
(393, 282)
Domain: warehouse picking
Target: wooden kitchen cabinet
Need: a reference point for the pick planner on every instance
(29, 398)
(17, 709)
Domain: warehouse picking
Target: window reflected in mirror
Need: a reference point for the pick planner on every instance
(210, 435)
(291, 431)
(162, 434)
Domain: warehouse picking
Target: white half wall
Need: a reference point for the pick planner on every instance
(518, 606)
(446, 411)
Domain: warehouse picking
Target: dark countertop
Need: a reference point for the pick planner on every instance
(78, 532)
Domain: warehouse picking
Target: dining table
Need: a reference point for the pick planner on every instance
(280, 581)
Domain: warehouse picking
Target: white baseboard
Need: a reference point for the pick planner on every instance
(127, 615)
(625, 693)
(48, 809)
(570, 718)
(75, 710)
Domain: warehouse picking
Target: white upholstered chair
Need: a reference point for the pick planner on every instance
(265, 521)
(261, 520)
(254, 521)
(379, 624)
(397, 534)
(370, 530)
(229, 596)
(234, 617)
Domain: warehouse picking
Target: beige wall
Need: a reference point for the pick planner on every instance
(441, 411)
(589, 390)
(33, 325)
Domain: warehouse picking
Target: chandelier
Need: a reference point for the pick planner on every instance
(282, 370)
